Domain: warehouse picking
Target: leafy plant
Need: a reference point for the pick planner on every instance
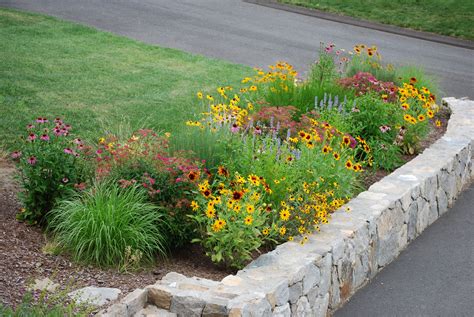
(101, 224)
(51, 164)
(48, 304)
(232, 217)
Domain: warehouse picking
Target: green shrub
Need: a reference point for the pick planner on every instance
(51, 163)
(47, 304)
(101, 224)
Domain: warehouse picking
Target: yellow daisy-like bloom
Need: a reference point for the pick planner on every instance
(438, 123)
(310, 145)
(430, 114)
(285, 214)
(101, 140)
(218, 225)
(349, 164)
(265, 231)
(282, 231)
(209, 97)
(336, 156)
(421, 118)
(253, 88)
(199, 95)
(250, 208)
(210, 212)
(407, 117)
(254, 179)
(248, 220)
(291, 238)
(194, 205)
(326, 149)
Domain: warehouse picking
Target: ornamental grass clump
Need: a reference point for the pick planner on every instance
(106, 223)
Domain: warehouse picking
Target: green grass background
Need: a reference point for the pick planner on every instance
(446, 17)
(96, 80)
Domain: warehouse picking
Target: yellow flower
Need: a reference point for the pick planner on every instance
(250, 106)
(199, 95)
(218, 225)
(253, 88)
(194, 205)
(250, 208)
(210, 212)
(282, 231)
(167, 134)
(438, 123)
(209, 97)
(248, 220)
(254, 179)
(285, 214)
(101, 140)
(265, 231)
(421, 117)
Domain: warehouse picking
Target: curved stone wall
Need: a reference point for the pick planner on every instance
(318, 277)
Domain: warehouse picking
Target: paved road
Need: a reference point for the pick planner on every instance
(254, 35)
(434, 276)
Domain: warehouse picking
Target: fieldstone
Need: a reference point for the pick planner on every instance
(325, 267)
(215, 307)
(422, 217)
(321, 306)
(278, 293)
(295, 292)
(160, 296)
(334, 289)
(153, 311)
(411, 220)
(135, 301)
(282, 311)
(442, 201)
(187, 304)
(361, 271)
(257, 308)
(116, 310)
(231, 280)
(96, 296)
(302, 308)
(43, 285)
(389, 228)
(311, 279)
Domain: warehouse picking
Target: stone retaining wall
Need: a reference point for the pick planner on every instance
(318, 277)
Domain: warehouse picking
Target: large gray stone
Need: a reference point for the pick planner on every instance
(295, 292)
(282, 311)
(96, 296)
(321, 306)
(303, 308)
(187, 304)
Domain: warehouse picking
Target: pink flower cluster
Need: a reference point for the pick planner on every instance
(366, 82)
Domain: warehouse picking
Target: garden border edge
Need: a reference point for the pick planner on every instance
(318, 277)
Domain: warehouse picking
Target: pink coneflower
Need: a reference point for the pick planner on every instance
(31, 160)
(44, 137)
(65, 180)
(80, 186)
(257, 130)
(16, 154)
(78, 141)
(235, 128)
(30, 126)
(41, 120)
(57, 131)
(31, 137)
(384, 128)
(58, 120)
(68, 151)
(67, 127)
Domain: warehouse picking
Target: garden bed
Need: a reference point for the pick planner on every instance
(25, 256)
(344, 256)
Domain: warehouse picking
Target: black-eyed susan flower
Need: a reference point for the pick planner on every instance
(248, 220)
(285, 214)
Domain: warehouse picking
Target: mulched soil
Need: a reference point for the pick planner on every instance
(22, 258)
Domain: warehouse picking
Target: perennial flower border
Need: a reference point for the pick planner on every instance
(317, 277)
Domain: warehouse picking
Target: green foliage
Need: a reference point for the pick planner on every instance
(99, 225)
(230, 214)
(47, 304)
(447, 17)
(51, 163)
(43, 57)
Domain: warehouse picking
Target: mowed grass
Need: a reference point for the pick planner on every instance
(96, 80)
(446, 17)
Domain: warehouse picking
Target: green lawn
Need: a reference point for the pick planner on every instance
(96, 80)
(447, 17)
